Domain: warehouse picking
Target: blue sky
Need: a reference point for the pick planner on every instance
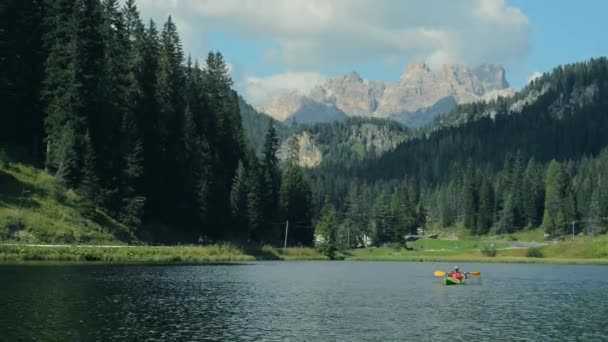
(278, 45)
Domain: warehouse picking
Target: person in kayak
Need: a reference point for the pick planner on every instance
(457, 275)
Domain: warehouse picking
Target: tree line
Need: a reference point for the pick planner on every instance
(120, 115)
(541, 166)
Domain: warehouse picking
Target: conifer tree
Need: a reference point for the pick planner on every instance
(325, 231)
(238, 200)
(486, 207)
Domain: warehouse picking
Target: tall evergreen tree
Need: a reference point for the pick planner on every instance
(485, 218)
(89, 186)
(238, 200)
(325, 231)
(381, 219)
(22, 56)
(558, 200)
(271, 178)
(295, 198)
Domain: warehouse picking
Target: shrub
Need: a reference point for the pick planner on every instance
(599, 250)
(489, 250)
(535, 252)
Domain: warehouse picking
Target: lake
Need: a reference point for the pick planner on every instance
(302, 301)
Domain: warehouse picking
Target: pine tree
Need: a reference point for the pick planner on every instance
(559, 200)
(271, 177)
(325, 231)
(169, 88)
(381, 219)
(470, 198)
(295, 200)
(254, 205)
(357, 215)
(22, 56)
(204, 186)
(238, 200)
(534, 194)
(89, 186)
(486, 207)
(60, 87)
(403, 211)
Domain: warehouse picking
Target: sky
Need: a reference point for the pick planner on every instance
(274, 46)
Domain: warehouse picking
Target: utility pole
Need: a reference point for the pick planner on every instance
(23, 192)
(286, 231)
(573, 222)
(348, 237)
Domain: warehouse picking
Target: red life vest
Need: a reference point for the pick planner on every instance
(456, 276)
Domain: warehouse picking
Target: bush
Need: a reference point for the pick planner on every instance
(535, 252)
(489, 250)
(599, 250)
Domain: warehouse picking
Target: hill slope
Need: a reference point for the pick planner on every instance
(30, 212)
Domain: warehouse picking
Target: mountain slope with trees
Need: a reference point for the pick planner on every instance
(119, 115)
(539, 159)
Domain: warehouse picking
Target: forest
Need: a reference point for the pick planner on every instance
(115, 109)
(543, 164)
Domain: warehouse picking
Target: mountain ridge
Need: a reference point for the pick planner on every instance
(415, 99)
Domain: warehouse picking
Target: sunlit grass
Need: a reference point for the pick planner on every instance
(42, 218)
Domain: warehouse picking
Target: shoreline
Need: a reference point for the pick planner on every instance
(16, 254)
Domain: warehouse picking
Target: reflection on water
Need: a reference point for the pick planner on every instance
(302, 301)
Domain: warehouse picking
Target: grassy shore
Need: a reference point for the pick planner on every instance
(582, 251)
(151, 254)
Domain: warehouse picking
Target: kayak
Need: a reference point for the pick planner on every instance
(452, 281)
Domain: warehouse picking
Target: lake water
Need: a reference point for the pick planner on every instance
(303, 301)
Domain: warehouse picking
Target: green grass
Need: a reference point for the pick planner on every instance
(145, 254)
(533, 235)
(44, 219)
(585, 251)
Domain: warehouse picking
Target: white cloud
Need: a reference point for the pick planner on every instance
(159, 4)
(258, 90)
(310, 33)
(534, 76)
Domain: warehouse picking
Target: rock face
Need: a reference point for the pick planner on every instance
(309, 154)
(418, 96)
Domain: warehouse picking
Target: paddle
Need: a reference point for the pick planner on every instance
(442, 273)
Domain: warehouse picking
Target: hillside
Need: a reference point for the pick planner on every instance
(33, 210)
(537, 160)
(255, 125)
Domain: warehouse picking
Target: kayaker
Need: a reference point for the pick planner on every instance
(456, 274)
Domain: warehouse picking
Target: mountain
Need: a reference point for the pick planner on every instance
(346, 142)
(561, 115)
(355, 138)
(537, 159)
(415, 99)
(255, 125)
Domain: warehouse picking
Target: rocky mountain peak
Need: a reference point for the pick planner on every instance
(420, 94)
(417, 68)
(491, 76)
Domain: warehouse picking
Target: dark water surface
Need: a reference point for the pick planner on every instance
(302, 301)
